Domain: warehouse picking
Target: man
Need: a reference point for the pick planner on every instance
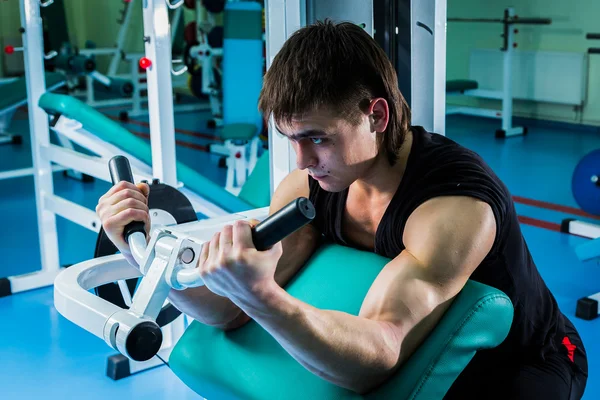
(431, 206)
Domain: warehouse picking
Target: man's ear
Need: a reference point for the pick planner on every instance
(379, 114)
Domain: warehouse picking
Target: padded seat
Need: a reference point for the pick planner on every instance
(460, 85)
(248, 363)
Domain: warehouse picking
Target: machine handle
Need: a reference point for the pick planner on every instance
(284, 222)
(120, 170)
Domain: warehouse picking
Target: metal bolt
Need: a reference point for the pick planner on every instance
(146, 39)
(187, 255)
(594, 178)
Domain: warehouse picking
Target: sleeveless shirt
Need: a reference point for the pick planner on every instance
(438, 166)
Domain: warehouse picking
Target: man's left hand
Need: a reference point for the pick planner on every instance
(231, 266)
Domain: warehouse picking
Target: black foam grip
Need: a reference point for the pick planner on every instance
(284, 222)
(120, 170)
(593, 36)
(594, 50)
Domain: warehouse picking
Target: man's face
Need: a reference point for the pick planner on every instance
(334, 151)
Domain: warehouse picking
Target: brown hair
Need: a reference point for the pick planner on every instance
(340, 67)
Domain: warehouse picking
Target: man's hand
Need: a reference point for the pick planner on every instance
(122, 204)
(231, 266)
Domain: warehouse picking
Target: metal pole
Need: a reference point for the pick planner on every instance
(507, 103)
(33, 53)
(122, 35)
(157, 39)
(282, 19)
(439, 69)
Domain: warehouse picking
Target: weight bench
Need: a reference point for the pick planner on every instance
(14, 95)
(247, 363)
(101, 135)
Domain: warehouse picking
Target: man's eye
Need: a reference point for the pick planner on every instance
(317, 140)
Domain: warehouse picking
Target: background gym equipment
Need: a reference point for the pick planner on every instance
(241, 84)
(471, 88)
(14, 96)
(171, 265)
(586, 191)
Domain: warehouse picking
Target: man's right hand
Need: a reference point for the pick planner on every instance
(122, 204)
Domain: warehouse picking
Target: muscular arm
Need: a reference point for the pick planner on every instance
(211, 309)
(446, 239)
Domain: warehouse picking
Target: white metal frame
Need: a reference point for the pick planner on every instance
(44, 154)
(506, 95)
(137, 100)
(164, 268)
(31, 21)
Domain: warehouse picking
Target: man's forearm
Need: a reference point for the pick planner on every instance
(204, 306)
(200, 303)
(349, 351)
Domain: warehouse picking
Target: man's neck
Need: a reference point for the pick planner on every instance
(383, 178)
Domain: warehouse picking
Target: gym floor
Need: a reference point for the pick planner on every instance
(45, 356)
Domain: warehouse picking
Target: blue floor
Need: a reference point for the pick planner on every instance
(45, 356)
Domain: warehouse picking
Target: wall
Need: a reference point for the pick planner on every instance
(571, 20)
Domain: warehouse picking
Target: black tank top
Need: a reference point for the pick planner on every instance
(438, 166)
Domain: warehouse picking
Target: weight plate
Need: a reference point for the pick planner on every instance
(167, 205)
(586, 188)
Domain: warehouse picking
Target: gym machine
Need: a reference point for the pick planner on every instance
(168, 261)
(47, 155)
(471, 88)
(585, 185)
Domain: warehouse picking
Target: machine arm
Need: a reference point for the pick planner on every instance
(168, 261)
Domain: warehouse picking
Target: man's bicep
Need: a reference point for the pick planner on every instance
(450, 235)
(407, 301)
(445, 240)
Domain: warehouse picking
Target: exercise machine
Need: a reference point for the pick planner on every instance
(15, 96)
(471, 88)
(167, 262)
(67, 66)
(585, 185)
(203, 56)
(262, 368)
(102, 137)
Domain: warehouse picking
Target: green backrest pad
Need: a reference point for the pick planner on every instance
(248, 363)
(15, 92)
(110, 131)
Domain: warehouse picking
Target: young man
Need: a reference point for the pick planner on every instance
(380, 184)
